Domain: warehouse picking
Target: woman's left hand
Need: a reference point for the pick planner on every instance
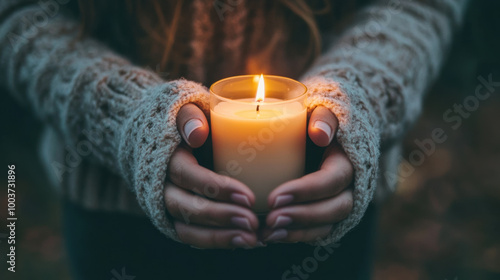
(305, 209)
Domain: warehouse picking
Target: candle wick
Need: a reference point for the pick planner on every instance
(258, 105)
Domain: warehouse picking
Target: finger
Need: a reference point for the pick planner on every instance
(335, 175)
(185, 172)
(299, 235)
(194, 209)
(193, 125)
(320, 213)
(211, 238)
(322, 126)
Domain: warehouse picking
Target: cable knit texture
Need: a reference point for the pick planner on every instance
(121, 118)
(373, 79)
(79, 86)
(358, 135)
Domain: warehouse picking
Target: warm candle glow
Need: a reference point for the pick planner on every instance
(260, 143)
(261, 90)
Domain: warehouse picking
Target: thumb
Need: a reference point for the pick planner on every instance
(322, 126)
(193, 125)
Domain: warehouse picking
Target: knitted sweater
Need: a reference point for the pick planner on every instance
(110, 125)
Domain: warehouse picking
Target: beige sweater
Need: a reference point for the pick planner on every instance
(110, 125)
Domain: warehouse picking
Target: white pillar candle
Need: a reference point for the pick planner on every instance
(262, 148)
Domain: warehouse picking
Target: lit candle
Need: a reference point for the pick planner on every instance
(259, 131)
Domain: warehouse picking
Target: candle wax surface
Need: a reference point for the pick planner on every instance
(261, 114)
(261, 149)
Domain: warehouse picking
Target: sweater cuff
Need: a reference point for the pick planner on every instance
(358, 135)
(149, 138)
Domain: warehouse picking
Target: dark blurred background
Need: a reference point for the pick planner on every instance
(443, 222)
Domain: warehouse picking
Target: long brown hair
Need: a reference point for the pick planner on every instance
(159, 21)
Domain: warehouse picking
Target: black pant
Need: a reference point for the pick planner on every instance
(103, 245)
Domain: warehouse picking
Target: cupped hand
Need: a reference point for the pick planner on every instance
(209, 210)
(306, 209)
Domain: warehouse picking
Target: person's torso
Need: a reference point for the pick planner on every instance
(217, 39)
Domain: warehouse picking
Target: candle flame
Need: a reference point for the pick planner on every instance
(261, 90)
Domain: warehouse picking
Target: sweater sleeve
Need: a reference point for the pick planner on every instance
(373, 79)
(78, 85)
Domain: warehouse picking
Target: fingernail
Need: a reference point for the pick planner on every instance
(241, 199)
(282, 221)
(191, 126)
(241, 222)
(321, 125)
(282, 200)
(277, 235)
(238, 241)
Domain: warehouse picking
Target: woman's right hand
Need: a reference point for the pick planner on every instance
(209, 210)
